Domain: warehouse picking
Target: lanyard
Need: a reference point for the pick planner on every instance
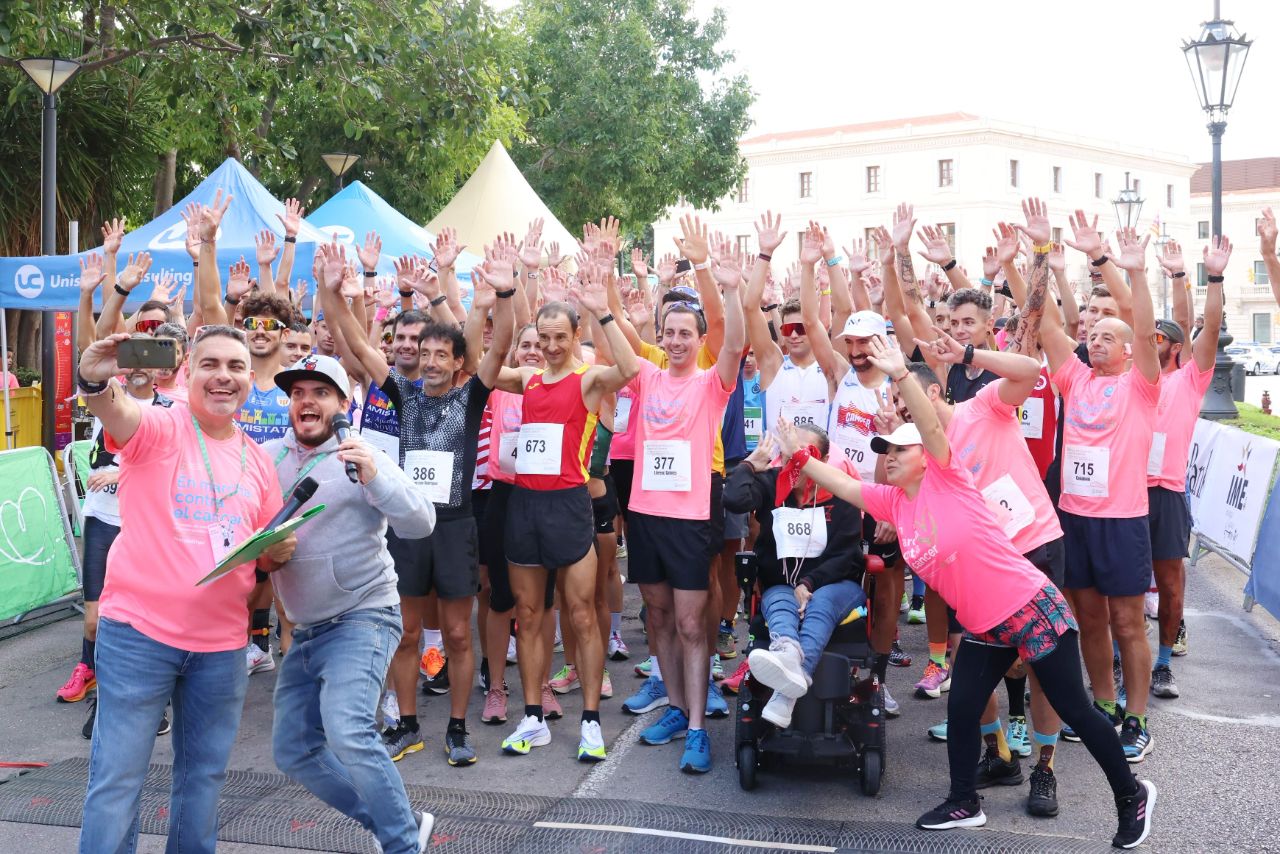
(312, 463)
(208, 467)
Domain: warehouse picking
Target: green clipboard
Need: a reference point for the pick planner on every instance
(251, 548)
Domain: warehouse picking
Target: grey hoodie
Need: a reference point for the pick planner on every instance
(341, 563)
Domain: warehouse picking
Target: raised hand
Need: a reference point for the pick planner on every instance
(904, 223)
(884, 244)
(211, 216)
(1006, 243)
(768, 236)
(422, 280)
(875, 289)
(1057, 259)
(1216, 256)
(787, 437)
(888, 359)
(499, 267)
(764, 453)
(386, 295)
(936, 248)
(693, 245)
(639, 265)
(191, 216)
(667, 270)
(811, 249)
(728, 268)
(351, 287)
(1036, 213)
(1171, 258)
(556, 286)
(990, 263)
(238, 279)
(553, 254)
(370, 251)
(112, 234)
(944, 348)
(592, 294)
(162, 290)
(265, 243)
(446, 249)
(135, 271)
(299, 292)
(531, 246)
(1133, 253)
(1087, 237)
(292, 218)
(636, 304)
(179, 299)
(828, 244)
(332, 259)
(610, 227)
(856, 252)
(1267, 231)
(91, 272)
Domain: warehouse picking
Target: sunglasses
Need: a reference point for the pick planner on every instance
(789, 329)
(1161, 338)
(267, 324)
(147, 326)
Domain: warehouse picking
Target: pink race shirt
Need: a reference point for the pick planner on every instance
(507, 409)
(170, 531)
(948, 534)
(623, 446)
(1106, 438)
(1180, 395)
(679, 421)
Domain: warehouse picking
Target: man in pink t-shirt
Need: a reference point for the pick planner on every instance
(191, 488)
(1183, 383)
(1109, 416)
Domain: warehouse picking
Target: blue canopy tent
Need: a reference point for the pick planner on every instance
(356, 210)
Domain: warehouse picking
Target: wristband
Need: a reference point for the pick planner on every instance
(768, 308)
(1042, 248)
(608, 318)
(1178, 275)
(986, 283)
(532, 274)
(1104, 259)
(705, 265)
(408, 293)
(505, 294)
(435, 303)
(905, 374)
(195, 263)
(289, 239)
(1217, 280)
(88, 388)
(369, 274)
(764, 257)
(121, 291)
(230, 301)
(949, 266)
(968, 354)
(827, 292)
(835, 261)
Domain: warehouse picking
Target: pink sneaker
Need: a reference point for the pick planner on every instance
(550, 705)
(733, 684)
(606, 687)
(936, 680)
(495, 707)
(82, 681)
(565, 680)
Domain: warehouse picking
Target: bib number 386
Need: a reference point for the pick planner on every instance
(432, 472)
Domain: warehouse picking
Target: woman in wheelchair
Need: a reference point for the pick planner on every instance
(809, 551)
(1010, 610)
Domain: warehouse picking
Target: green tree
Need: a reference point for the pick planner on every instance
(638, 111)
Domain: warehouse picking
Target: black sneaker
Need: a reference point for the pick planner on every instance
(165, 726)
(1135, 816)
(1180, 642)
(484, 676)
(899, 657)
(1043, 800)
(952, 813)
(1068, 734)
(1162, 684)
(994, 771)
(458, 748)
(439, 685)
(87, 729)
(1135, 739)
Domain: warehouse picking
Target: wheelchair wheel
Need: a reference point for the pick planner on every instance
(871, 772)
(748, 758)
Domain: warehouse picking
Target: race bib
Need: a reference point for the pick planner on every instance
(622, 415)
(222, 537)
(800, 532)
(753, 419)
(805, 413)
(1084, 470)
(1155, 458)
(385, 442)
(856, 448)
(539, 449)
(668, 466)
(1012, 510)
(1031, 418)
(432, 472)
(508, 451)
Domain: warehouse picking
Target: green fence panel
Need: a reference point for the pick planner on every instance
(38, 561)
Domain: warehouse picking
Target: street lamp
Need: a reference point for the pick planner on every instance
(49, 73)
(1161, 241)
(339, 164)
(1216, 61)
(1128, 205)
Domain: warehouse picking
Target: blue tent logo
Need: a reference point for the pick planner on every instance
(28, 281)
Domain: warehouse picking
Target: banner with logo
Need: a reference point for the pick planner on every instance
(1263, 585)
(1229, 478)
(38, 564)
(62, 327)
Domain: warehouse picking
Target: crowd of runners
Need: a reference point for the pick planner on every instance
(1014, 452)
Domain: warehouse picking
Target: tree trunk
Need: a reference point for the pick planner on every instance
(107, 29)
(309, 186)
(166, 181)
(28, 339)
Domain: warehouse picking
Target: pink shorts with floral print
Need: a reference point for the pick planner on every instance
(1035, 629)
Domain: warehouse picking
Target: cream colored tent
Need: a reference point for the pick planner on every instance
(497, 198)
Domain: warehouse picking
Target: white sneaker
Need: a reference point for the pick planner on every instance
(425, 821)
(778, 710)
(390, 710)
(511, 650)
(1151, 605)
(591, 744)
(891, 707)
(781, 667)
(258, 661)
(529, 734)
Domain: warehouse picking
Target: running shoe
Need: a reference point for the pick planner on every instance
(440, 684)
(644, 668)
(1134, 814)
(906, 602)
(622, 548)
(87, 729)
(697, 753)
(1068, 734)
(672, 725)
(258, 660)
(495, 707)
(1151, 605)
(618, 648)
(529, 734)
(781, 667)
(898, 656)
(82, 681)
(565, 680)
(425, 821)
(1180, 642)
(1162, 684)
(891, 707)
(606, 687)
(432, 662)
(558, 646)
(778, 710)
(390, 707)
(716, 706)
(733, 684)
(951, 814)
(1135, 739)
(591, 743)
(165, 727)
(1018, 737)
(652, 695)
(717, 669)
(551, 709)
(482, 678)
(934, 683)
(938, 732)
(915, 614)
(726, 643)
(994, 771)
(458, 748)
(1043, 800)
(400, 742)
(512, 654)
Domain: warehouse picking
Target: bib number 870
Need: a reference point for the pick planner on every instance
(664, 463)
(424, 474)
(854, 455)
(799, 529)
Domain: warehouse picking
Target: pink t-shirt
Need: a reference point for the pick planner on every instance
(950, 536)
(679, 420)
(166, 543)
(507, 410)
(13, 381)
(178, 393)
(1107, 427)
(985, 434)
(1180, 395)
(623, 446)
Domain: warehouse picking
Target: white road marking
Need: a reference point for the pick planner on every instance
(695, 837)
(1251, 720)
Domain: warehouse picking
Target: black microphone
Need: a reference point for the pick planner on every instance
(342, 427)
(301, 495)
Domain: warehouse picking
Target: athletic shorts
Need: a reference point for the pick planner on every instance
(1111, 555)
(736, 526)
(98, 537)
(888, 552)
(494, 555)
(1034, 631)
(1169, 521)
(479, 502)
(549, 527)
(622, 472)
(717, 516)
(446, 562)
(1051, 559)
(605, 507)
(674, 551)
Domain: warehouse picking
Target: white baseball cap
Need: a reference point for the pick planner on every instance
(864, 324)
(906, 434)
(315, 366)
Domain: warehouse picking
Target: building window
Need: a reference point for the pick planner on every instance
(1201, 278)
(744, 244)
(1097, 185)
(1168, 195)
(1262, 328)
(806, 185)
(1057, 179)
(1202, 229)
(948, 230)
(873, 179)
(1260, 276)
(1013, 173)
(945, 175)
(1057, 235)
(744, 191)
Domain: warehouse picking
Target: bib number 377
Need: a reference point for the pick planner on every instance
(667, 466)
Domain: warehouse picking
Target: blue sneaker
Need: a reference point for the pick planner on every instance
(716, 706)
(652, 695)
(672, 725)
(697, 753)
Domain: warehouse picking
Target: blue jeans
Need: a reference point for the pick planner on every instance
(137, 676)
(830, 604)
(325, 736)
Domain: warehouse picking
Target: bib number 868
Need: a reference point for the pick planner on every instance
(799, 529)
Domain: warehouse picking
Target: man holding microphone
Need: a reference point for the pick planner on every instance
(340, 594)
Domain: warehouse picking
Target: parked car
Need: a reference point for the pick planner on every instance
(1256, 358)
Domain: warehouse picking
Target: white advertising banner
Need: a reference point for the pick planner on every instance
(1228, 482)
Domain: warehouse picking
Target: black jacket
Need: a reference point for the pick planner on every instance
(748, 492)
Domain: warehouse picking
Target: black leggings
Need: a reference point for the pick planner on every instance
(980, 668)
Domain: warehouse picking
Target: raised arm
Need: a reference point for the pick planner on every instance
(841, 304)
(735, 330)
(266, 252)
(118, 411)
(860, 297)
(208, 294)
(292, 222)
(1267, 237)
(833, 366)
(493, 287)
(593, 296)
(696, 247)
(893, 363)
(1089, 241)
(446, 252)
(113, 302)
(333, 301)
(1180, 302)
(1065, 295)
(530, 250)
(112, 235)
(1132, 258)
(937, 250)
(1205, 347)
(91, 274)
(904, 224)
(768, 354)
